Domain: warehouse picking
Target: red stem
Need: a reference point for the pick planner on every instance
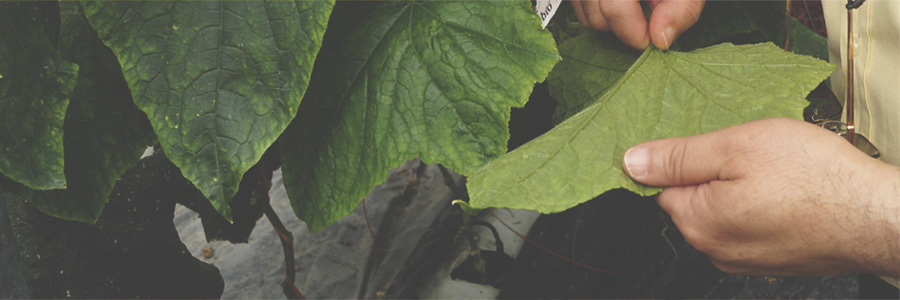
(366, 214)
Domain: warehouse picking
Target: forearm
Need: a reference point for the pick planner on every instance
(893, 235)
(882, 245)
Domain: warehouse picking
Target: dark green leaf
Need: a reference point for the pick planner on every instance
(35, 83)
(433, 80)
(722, 19)
(219, 80)
(105, 132)
(807, 42)
(664, 94)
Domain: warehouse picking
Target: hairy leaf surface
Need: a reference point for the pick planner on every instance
(35, 83)
(434, 80)
(664, 94)
(105, 133)
(219, 80)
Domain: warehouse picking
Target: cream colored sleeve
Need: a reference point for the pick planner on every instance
(876, 71)
(876, 42)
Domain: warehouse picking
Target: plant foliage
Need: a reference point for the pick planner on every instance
(86, 86)
(35, 83)
(219, 80)
(433, 80)
(594, 61)
(664, 94)
(105, 133)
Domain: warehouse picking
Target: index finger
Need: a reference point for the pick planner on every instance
(670, 18)
(627, 21)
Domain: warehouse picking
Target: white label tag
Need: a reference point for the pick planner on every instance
(546, 9)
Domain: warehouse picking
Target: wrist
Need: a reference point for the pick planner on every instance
(880, 243)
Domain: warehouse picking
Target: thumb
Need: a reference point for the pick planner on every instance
(670, 18)
(679, 161)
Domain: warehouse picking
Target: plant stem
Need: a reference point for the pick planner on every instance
(287, 243)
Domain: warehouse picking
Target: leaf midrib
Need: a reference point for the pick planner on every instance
(220, 187)
(604, 100)
(346, 91)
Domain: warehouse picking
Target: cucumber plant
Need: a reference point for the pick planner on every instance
(344, 94)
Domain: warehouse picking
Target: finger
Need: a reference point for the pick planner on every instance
(626, 19)
(579, 13)
(693, 207)
(670, 18)
(690, 208)
(681, 161)
(653, 3)
(594, 16)
(677, 202)
(674, 200)
(734, 269)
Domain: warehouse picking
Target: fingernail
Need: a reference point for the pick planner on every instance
(636, 162)
(668, 35)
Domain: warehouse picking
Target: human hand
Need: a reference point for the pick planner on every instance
(777, 197)
(626, 19)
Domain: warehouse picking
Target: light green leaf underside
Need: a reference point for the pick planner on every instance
(219, 80)
(663, 95)
(434, 80)
(35, 83)
(105, 132)
(591, 63)
(594, 61)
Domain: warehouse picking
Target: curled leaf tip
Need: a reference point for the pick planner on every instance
(468, 209)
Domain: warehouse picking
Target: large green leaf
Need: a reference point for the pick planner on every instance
(433, 80)
(35, 83)
(219, 80)
(664, 94)
(105, 132)
(592, 62)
